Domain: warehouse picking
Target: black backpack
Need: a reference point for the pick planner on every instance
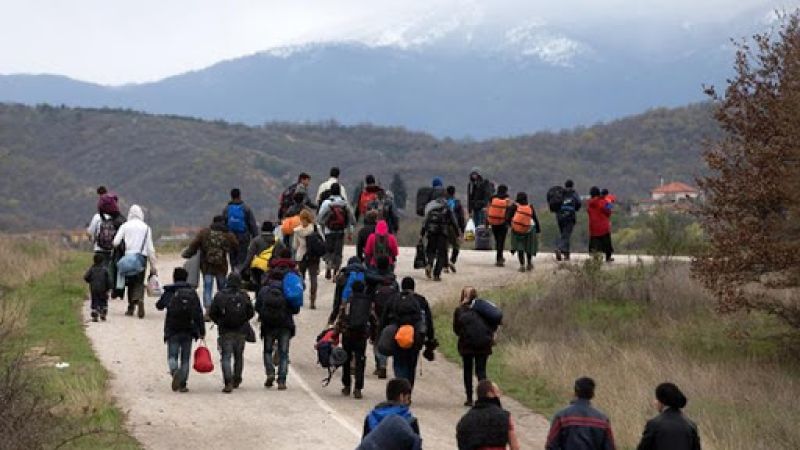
(424, 196)
(180, 309)
(382, 296)
(106, 232)
(407, 309)
(234, 311)
(315, 245)
(438, 220)
(475, 331)
(555, 197)
(357, 311)
(273, 304)
(287, 199)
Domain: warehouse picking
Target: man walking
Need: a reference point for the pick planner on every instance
(458, 228)
(338, 221)
(323, 192)
(439, 223)
(241, 222)
(231, 311)
(479, 193)
(566, 217)
(487, 424)
(580, 426)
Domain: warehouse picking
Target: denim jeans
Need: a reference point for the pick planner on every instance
(208, 288)
(231, 345)
(283, 336)
(179, 355)
(565, 227)
(380, 359)
(404, 364)
(479, 216)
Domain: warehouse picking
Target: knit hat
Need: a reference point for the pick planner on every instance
(437, 182)
(669, 395)
(407, 284)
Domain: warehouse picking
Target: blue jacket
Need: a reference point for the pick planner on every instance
(387, 409)
(393, 433)
(580, 427)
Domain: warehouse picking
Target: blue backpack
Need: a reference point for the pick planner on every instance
(293, 290)
(348, 286)
(451, 203)
(236, 222)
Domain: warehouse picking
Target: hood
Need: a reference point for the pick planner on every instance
(387, 409)
(373, 188)
(476, 171)
(437, 182)
(269, 238)
(434, 204)
(382, 227)
(135, 213)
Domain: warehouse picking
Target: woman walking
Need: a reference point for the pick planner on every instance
(524, 230)
(475, 340)
(306, 261)
(670, 430)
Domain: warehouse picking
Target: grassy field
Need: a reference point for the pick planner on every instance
(44, 292)
(633, 328)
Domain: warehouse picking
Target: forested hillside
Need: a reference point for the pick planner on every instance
(181, 170)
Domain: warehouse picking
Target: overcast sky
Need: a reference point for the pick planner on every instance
(121, 41)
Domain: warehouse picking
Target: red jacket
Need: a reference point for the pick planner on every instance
(391, 242)
(599, 222)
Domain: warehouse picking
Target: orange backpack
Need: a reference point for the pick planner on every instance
(496, 215)
(521, 223)
(405, 336)
(289, 224)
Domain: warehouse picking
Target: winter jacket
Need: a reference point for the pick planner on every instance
(288, 318)
(458, 328)
(389, 316)
(99, 281)
(204, 242)
(261, 243)
(580, 427)
(513, 210)
(388, 213)
(353, 265)
(670, 430)
(568, 214)
(386, 409)
(599, 217)
(340, 324)
(393, 433)
(479, 192)
(382, 229)
(486, 425)
(198, 330)
(326, 186)
(249, 218)
(325, 211)
(217, 310)
(138, 237)
(299, 239)
(449, 215)
(363, 235)
(376, 279)
(458, 212)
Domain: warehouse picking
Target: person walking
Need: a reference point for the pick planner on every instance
(475, 340)
(215, 243)
(104, 224)
(231, 311)
(370, 222)
(670, 430)
(599, 224)
(398, 400)
(338, 221)
(307, 261)
(392, 433)
(498, 220)
(261, 250)
(487, 425)
(277, 319)
(479, 194)
(381, 287)
(524, 231)
(241, 221)
(566, 217)
(324, 191)
(580, 426)
(439, 223)
(355, 323)
(100, 285)
(182, 323)
(138, 239)
(381, 243)
(409, 308)
(372, 197)
(287, 198)
(454, 204)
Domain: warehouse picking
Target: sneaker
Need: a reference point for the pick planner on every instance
(428, 271)
(468, 403)
(270, 381)
(103, 316)
(357, 393)
(346, 391)
(382, 373)
(94, 317)
(500, 263)
(237, 383)
(183, 390)
(281, 386)
(140, 309)
(529, 268)
(227, 389)
(609, 260)
(558, 255)
(453, 267)
(566, 256)
(176, 381)
(328, 274)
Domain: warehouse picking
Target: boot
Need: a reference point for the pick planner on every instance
(382, 373)
(558, 255)
(140, 309)
(328, 274)
(270, 381)
(566, 256)
(346, 391)
(357, 393)
(228, 388)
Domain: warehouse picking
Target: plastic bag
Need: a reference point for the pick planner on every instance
(469, 231)
(154, 287)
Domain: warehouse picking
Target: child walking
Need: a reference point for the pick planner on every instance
(99, 285)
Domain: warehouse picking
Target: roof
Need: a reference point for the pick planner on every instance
(674, 188)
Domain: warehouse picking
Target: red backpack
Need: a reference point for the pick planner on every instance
(202, 359)
(366, 198)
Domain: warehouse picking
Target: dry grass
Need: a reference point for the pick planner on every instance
(633, 328)
(24, 258)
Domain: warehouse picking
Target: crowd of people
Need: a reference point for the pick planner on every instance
(280, 263)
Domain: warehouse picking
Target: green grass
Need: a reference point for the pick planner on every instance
(54, 324)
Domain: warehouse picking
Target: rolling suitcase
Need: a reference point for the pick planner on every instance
(483, 238)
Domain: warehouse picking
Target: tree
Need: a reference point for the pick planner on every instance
(751, 212)
(398, 188)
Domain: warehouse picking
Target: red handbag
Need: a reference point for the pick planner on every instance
(202, 359)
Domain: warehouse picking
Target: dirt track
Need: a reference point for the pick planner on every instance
(306, 416)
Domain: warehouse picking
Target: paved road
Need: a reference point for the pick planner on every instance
(306, 416)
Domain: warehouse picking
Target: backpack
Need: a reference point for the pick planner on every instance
(337, 219)
(496, 215)
(568, 206)
(315, 245)
(424, 196)
(352, 277)
(522, 220)
(286, 199)
(293, 288)
(555, 197)
(365, 200)
(407, 309)
(438, 220)
(179, 310)
(381, 246)
(235, 310)
(382, 296)
(476, 332)
(261, 260)
(105, 233)
(357, 312)
(405, 336)
(236, 220)
(451, 204)
(272, 305)
(214, 248)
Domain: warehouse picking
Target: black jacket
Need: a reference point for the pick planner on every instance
(580, 426)
(363, 235)
(341, 280)
(99, 281)
(485, 425)
(288, 318)
(198, 324)
(217, 310)
(261, 243)
(479, 193)
(670, 430)
(389, 316)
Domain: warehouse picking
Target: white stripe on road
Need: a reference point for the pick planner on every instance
(325, 405)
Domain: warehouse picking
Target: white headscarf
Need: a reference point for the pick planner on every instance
(136, 213)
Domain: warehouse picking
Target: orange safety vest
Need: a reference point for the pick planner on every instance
(523, 217)
(496, 215)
